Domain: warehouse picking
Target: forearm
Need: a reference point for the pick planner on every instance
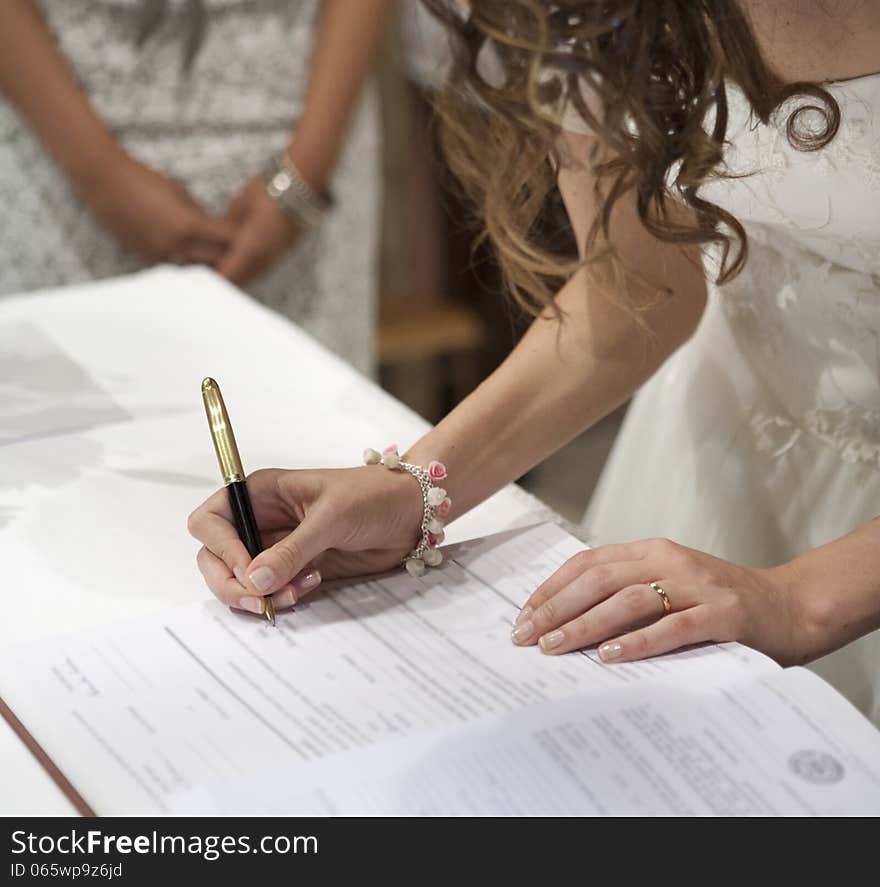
(346, 42)
(562, 378)
(569, 372)
(835, 590)
(39, 83)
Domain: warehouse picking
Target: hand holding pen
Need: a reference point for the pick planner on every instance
(342, 521)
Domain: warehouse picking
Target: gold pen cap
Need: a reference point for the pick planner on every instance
(221, 433)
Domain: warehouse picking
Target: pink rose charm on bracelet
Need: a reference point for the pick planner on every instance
(436, 506)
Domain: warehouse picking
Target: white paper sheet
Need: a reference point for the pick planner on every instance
(92, 520)
(417, 683)
(43, 391)
(781, 744)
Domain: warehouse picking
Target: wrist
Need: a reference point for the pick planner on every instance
(406, 497)
(314, 160)
(810, 608)
(303, 205)
(434, 505)
(470, 480)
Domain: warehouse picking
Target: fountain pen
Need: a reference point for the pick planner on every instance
(233, 477)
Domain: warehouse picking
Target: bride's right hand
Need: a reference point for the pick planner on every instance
(314, 524)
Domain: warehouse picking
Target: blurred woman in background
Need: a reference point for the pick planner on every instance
(146, 131)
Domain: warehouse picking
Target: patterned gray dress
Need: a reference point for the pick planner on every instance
(205, 91)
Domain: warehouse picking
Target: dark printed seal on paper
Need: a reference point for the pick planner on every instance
(817, 767)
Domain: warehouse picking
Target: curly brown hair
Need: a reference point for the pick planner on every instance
(656, 71)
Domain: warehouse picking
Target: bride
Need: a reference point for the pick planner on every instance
(720, 165)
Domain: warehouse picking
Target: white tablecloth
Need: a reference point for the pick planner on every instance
(94, 500)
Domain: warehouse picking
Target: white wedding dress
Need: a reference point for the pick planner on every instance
(760, 438)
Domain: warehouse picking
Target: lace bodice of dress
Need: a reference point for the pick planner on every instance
(806, 310)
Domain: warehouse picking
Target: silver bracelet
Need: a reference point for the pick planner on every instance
(284, 184)
(435, 506)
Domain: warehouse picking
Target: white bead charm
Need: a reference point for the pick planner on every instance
(433, 557)
(435, 496)
(434, 525)
(415, 566)
(436, 505)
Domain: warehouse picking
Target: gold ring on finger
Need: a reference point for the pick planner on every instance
(667, 604)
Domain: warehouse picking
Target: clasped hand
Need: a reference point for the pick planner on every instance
(155, 218)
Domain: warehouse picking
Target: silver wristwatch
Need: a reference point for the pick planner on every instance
(284, 184)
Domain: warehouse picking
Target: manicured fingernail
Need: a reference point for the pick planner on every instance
(549, 641)
(524, 613)
(239, 574)
(263, 578)
(522, 633)
(252, 605)
(284, 599)
(608, 652)
(311, 580)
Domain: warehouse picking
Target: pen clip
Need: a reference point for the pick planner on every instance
(221, 433)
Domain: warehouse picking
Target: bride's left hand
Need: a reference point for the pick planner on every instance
(603, 597)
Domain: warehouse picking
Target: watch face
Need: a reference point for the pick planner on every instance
(280, 182)
(294, 196)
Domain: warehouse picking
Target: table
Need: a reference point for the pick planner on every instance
(115, 451)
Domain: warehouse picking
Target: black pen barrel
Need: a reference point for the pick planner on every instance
(243, 515)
